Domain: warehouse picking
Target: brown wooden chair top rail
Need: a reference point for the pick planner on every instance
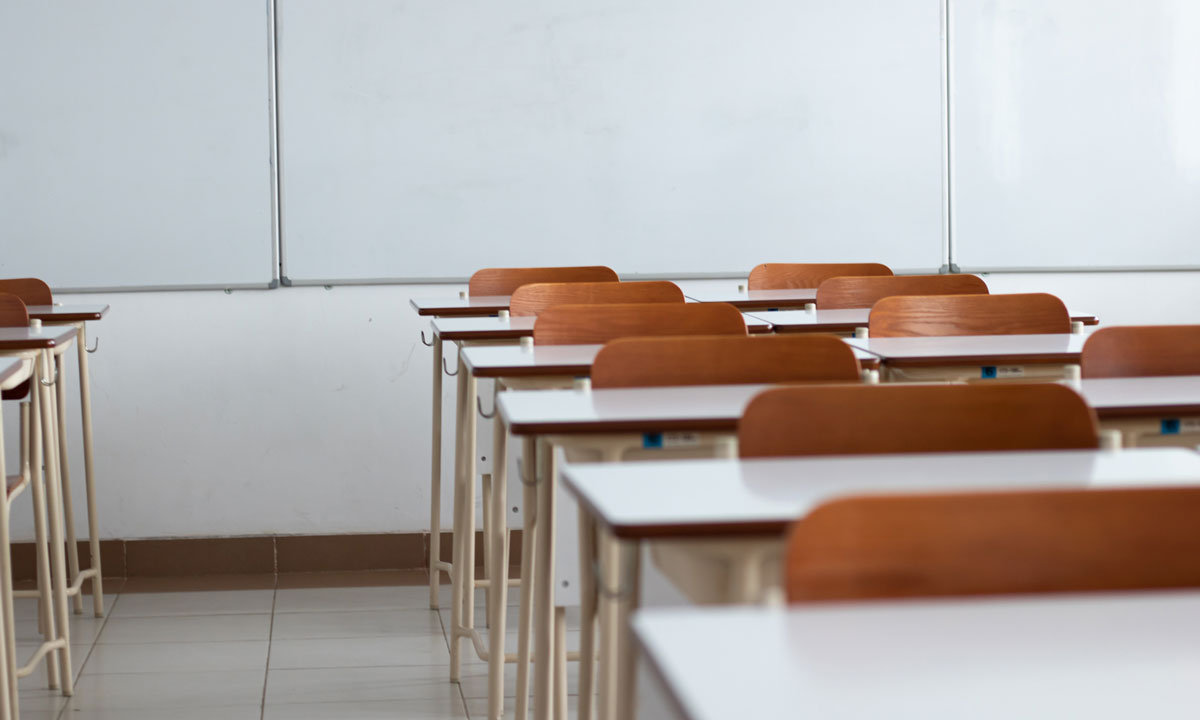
(32, 291)
(925, 315)
(864, 291)
(503, 281)
(778, 276)
(907, 546)
(598, 324)
(1144, 351)
(534, 298)
(14, 314)
(723, 360)
(866, 419)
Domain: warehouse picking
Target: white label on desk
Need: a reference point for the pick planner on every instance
(1178, 426)
(990, 372)
(680, 439)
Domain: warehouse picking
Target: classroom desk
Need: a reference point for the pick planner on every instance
(1110, 655)
(843, 321)
(474, 329)
(40, 343)
(758, 299)
(78, 315)
(1156, 410)
(461, 305)
(975, 357)
(718, 525)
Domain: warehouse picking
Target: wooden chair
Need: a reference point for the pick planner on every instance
(868, 419)
(864, 291)
(14, 314)
(923, 315)
(532, 299)
(782, 276)
(503, 281)
(723, 360)
(905, 546)
(32, 291)
(598, 324)
(1142, 351)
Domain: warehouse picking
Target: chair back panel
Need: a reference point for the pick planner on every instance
(926, 315)
(14, 314)
(532, 299)
(990, 543)
(869, 419)
(598, 324)
(783, 276)
(32, 291)
(503, 281)
(864, 291)
(723, 360)
(1143, 351)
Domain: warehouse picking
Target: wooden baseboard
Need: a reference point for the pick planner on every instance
(257, 555)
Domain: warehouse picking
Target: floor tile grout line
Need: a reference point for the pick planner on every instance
(270, 640)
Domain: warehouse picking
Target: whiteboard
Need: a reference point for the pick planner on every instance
(135, 143)
(429, 138)
(1075, 133)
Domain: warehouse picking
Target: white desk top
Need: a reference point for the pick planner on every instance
(841, 320)
(447, 305)
(975, 349)
(496, 328)
(546, 360)
(683, 498)
(1120, 656)
(1126, 397)
(656, 409)
(759, 299)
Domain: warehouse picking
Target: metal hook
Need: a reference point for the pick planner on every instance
(93, 348)
(423, 342)
(623, 591)
(52, 382)
(479, 404)
(447, 368)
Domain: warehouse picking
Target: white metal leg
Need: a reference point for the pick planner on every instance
(459, 573)
(8, 655)
(435, 481)
(543, 677)
(606, 671)
(54, 514)
(467, 531)
(64, 472)
(560, 663)
(529, 577)
(629, 558)
(89, 471)
(587, 615)
(497, 529)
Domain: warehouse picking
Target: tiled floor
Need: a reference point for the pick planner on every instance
(315, 653)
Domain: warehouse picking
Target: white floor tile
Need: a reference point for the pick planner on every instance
(369, 623)
(426, 682)
(248, 712)
(477, 708)
(194, 603)
(187, 628)
(450, 708)
(177, 657)
(353, 599)
(378, 651)
(169, 692)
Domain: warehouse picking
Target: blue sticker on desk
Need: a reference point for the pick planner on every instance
(652, 440)
(1170, 426)
(988, 372)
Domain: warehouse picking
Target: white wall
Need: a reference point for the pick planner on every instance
(305, 410)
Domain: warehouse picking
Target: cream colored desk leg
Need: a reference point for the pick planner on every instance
(8, 654)
(560, 663)
(89, 471)
(435, 480)
(64, 472)
(629, 559)
(529, 538)
(468, 512)
(498, 573)
(458, 577)
(609, 582)
(587, 613)
(37, 481)
(488, 489)
(6, 708)
(543, 665)
(54, 513)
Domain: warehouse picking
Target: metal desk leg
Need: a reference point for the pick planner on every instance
(8, 656)
(64, 473)
(560, 663)
(498, 574)
(587, 613)
(529, 537)
(629, 554)
(458, 579)
(54, 514)
(46, 622)
(435, 480)
(89, 471)
(543, 676)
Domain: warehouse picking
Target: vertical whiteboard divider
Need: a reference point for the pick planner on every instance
(948, 235)
(278, 259)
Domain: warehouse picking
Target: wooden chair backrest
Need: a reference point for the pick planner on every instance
(503, 281)
(32, 291)
(1143, 351)
(14, 314)
(864, 291)
(904, 546)
(532, 299)
(723, 360)
(598, 324)
(924, 315)
(868, 419)
(782, 276)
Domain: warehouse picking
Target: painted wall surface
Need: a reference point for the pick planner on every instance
(305, 410)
